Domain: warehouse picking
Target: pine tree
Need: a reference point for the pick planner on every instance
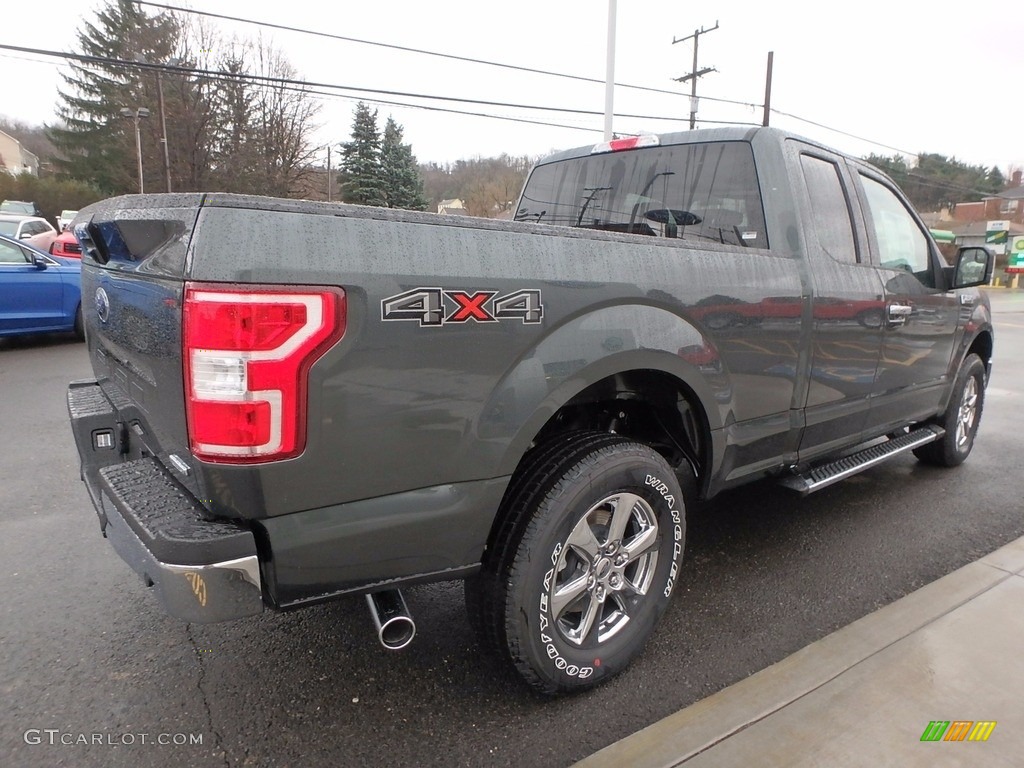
(403, 186)
(362, 181)
(98, 144)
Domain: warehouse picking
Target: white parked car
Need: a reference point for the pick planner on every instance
(34, 230)
(65, 219)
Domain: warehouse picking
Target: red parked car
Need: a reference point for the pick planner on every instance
(66, 245)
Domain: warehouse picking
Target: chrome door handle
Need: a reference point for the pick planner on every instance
(898, 313)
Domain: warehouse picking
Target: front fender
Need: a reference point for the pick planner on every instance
(592, 347)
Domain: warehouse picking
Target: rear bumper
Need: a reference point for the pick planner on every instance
(201, 570)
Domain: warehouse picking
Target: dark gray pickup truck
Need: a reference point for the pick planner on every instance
(295, 401)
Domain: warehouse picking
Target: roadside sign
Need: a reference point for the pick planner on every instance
(996, 236)
(1016, 263)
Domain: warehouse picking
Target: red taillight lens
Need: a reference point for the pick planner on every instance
(247, 354)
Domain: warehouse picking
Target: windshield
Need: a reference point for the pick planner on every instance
(707, 191)
(9, 206)
(9, 228)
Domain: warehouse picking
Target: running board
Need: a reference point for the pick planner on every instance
(827, 474)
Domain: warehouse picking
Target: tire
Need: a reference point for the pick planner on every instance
(79, 323)
(480, 607)
(573, 592)
(961, 418)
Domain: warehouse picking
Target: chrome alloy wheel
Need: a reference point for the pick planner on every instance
(968, 413)
(604, 569)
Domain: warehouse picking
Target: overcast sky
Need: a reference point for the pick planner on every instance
(909, 76)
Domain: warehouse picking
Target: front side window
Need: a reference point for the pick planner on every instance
(902, 245)
(699, 191)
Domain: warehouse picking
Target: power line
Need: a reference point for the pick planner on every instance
(935, 182)
(421, 51)
(177, 69)
(844, 133)
(307, 87)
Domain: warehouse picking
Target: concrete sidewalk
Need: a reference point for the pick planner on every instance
(866, 694)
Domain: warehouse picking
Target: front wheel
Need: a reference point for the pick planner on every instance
(581, 586)
(960, 419)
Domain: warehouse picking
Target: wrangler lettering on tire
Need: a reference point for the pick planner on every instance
(580, 582)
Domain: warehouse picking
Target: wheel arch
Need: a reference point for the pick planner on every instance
(649, 395)
(982, 345)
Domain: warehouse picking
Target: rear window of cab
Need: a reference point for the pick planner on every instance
(704, 191)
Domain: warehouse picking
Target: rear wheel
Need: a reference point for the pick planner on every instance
(573, 592)
(960, 419)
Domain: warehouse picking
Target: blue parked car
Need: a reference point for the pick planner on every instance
(38, 292)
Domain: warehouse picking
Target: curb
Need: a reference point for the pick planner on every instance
(701, 726)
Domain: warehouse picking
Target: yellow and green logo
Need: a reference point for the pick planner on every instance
(958, 730)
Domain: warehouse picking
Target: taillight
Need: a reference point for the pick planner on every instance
(247, 354)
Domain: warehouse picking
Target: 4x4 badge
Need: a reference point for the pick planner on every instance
(435, 307)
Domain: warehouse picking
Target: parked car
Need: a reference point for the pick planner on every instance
(66, 245)
(35, 230)
(38, 293)
(65, 219)
(20, 207)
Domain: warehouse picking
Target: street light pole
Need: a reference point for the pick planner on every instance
(135, 115)
(163, 129)
(609, 78)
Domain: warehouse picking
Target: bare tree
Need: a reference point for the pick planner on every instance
(265, 126)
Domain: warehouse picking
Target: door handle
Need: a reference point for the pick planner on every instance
(898, 313)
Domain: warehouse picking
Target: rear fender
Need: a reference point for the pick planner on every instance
(593, 347)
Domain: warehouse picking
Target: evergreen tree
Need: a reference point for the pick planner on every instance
(362, 181)
(936, 181)
(403, 186)
(98, 144)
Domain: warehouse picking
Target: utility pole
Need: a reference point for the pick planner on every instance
(328, 173)
(694, 73)
(768, 88)
(163, 114)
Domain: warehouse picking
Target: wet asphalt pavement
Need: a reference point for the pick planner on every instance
(87, 655)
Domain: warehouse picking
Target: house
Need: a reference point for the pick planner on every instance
(14, 158)
(453, 207)
(1008, 205)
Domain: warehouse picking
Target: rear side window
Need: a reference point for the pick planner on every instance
(831, 220)
(11, 254)
(694, 191)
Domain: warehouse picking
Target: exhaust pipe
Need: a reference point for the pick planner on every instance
(395, 627)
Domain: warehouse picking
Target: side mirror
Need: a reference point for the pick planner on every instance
(25, 235)
(39, 261)
(974, 265)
